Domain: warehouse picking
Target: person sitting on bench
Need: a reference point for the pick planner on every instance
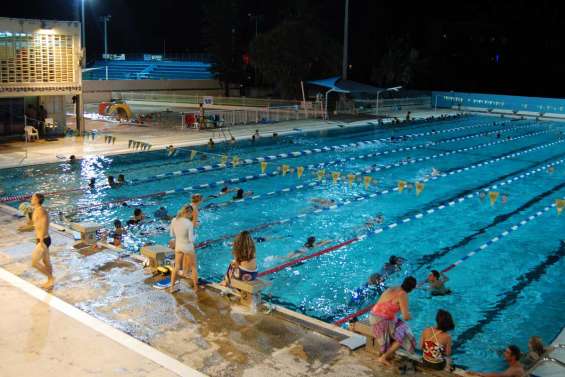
(244, 264)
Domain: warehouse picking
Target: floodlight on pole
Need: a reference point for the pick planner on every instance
(82, 24)
(105, 20)
(393, 89)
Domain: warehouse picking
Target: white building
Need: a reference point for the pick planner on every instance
(40, 64)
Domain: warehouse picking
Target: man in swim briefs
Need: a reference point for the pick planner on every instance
(40, 255)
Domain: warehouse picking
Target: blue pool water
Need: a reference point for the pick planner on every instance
(506, 292)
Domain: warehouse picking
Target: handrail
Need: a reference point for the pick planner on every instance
(197, 99)
(552, 360)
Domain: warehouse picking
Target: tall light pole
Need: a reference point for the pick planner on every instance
(256, 17)
(393, 89)
(345, 41)
(105, 19)
(82, 24)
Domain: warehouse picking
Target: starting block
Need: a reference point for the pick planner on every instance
(365, 328)
(250, 291)
(87, 232)
(156, 254)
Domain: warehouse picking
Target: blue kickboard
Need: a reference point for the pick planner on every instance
(163, 284)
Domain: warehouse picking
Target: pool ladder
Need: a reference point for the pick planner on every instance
(548, 359)
(222, 133)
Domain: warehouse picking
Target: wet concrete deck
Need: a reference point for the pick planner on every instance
(201, 330)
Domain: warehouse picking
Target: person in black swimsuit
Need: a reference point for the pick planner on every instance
(40, 256)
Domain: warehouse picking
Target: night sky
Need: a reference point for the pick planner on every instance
(509, 47)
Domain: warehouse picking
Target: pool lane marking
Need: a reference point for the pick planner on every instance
(510, 296)
(361, 197)
(428, 259)
(372, 168)
(417, 216)
(495, 239)
(125, 340)
(178, 173)
(295, 154)
(485, 245)
(414, 135)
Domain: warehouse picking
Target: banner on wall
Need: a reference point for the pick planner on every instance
(493, 102)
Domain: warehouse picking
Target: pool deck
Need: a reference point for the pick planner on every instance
(19, 153)
(105, 318)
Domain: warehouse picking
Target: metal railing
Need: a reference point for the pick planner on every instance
(176, 56)
(216, 118)
(393, 104)
(198, 99)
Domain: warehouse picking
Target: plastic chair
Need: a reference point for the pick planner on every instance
(30, 133)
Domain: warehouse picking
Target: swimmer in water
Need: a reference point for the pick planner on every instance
(256, 134)
(121, 179)
(72, 159)
(436, 283)
(310, 244)
(111, 182)
(375, 285)
(137, 218)
(322, 203)
(92, 183)
(118, 233)
(224, 191)
(195, 202)
(241, 194)
(262, 239)
(371, 222)
(171, 150)
(435, 172)
(161, 214)
(393, 265)
(211, 143)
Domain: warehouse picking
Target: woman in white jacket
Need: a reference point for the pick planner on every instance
(182, 232)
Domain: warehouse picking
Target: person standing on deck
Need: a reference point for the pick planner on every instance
(40, 255)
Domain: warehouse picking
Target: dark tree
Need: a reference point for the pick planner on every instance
(223, 38)
(400, 64)
(292, 51)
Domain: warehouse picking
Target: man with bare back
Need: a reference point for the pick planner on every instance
(40, 256)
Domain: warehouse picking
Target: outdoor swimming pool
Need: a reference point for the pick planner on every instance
(506, 290)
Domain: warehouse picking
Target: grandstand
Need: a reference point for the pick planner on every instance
(148, 70)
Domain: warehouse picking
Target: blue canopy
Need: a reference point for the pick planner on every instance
(345, 86)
